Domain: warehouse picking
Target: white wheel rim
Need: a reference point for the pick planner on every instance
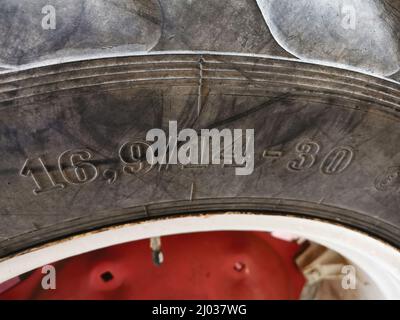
(379, 261)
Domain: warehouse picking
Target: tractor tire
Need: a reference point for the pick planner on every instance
(74, 98)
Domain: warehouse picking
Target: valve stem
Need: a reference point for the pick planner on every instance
(157, 255)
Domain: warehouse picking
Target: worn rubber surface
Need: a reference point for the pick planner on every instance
(326, 138)
(326, 143)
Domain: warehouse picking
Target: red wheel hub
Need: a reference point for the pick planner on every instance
(211, 265)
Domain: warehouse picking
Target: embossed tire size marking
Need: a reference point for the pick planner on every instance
(72, 139)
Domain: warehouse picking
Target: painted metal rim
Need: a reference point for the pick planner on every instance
(380, 261)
